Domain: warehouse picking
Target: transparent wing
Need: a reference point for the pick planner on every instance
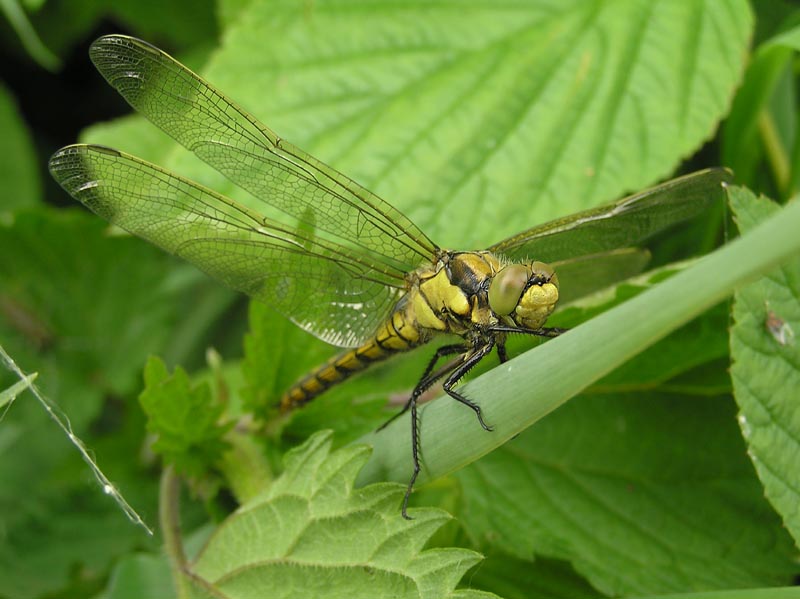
(232, 141)
(334, 292)
(620, 224)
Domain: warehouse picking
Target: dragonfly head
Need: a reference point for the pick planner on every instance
(525, 293)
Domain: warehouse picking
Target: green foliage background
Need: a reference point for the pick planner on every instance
(676, 473)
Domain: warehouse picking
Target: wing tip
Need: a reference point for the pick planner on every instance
(73, 154)
(111, 43)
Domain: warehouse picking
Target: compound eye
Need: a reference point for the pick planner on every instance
(506, 288)
(544, 272)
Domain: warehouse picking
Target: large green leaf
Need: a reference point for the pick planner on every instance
(516, 578)
(616, 484)
(310, 534)
(766, 371)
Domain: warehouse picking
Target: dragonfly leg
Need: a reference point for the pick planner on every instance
(426, 380)
(548, 332)
(502, 331)
(415, 456)
(441, 352)
(501, 351)
(459, 373)
(423, 385)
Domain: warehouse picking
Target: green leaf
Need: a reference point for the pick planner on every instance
(528, 579)
(789, 38)
(133, 132)
(310, 534)
(769, 593)
(766, 370)
(18, 169)
(616, 485)
(184, 418)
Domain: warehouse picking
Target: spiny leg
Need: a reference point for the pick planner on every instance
(548, 332)
(427, 380)
(415, 456)
(501, 351)
(441, 352)
(459, 373)
(424, 384)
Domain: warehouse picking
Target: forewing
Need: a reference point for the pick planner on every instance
(329, 290)
(232, 141)
(621, 224)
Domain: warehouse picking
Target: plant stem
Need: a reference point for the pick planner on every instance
(169, 519)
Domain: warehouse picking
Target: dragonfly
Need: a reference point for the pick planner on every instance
(344, 264)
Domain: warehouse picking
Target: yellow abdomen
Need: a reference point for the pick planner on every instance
(398, 333)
